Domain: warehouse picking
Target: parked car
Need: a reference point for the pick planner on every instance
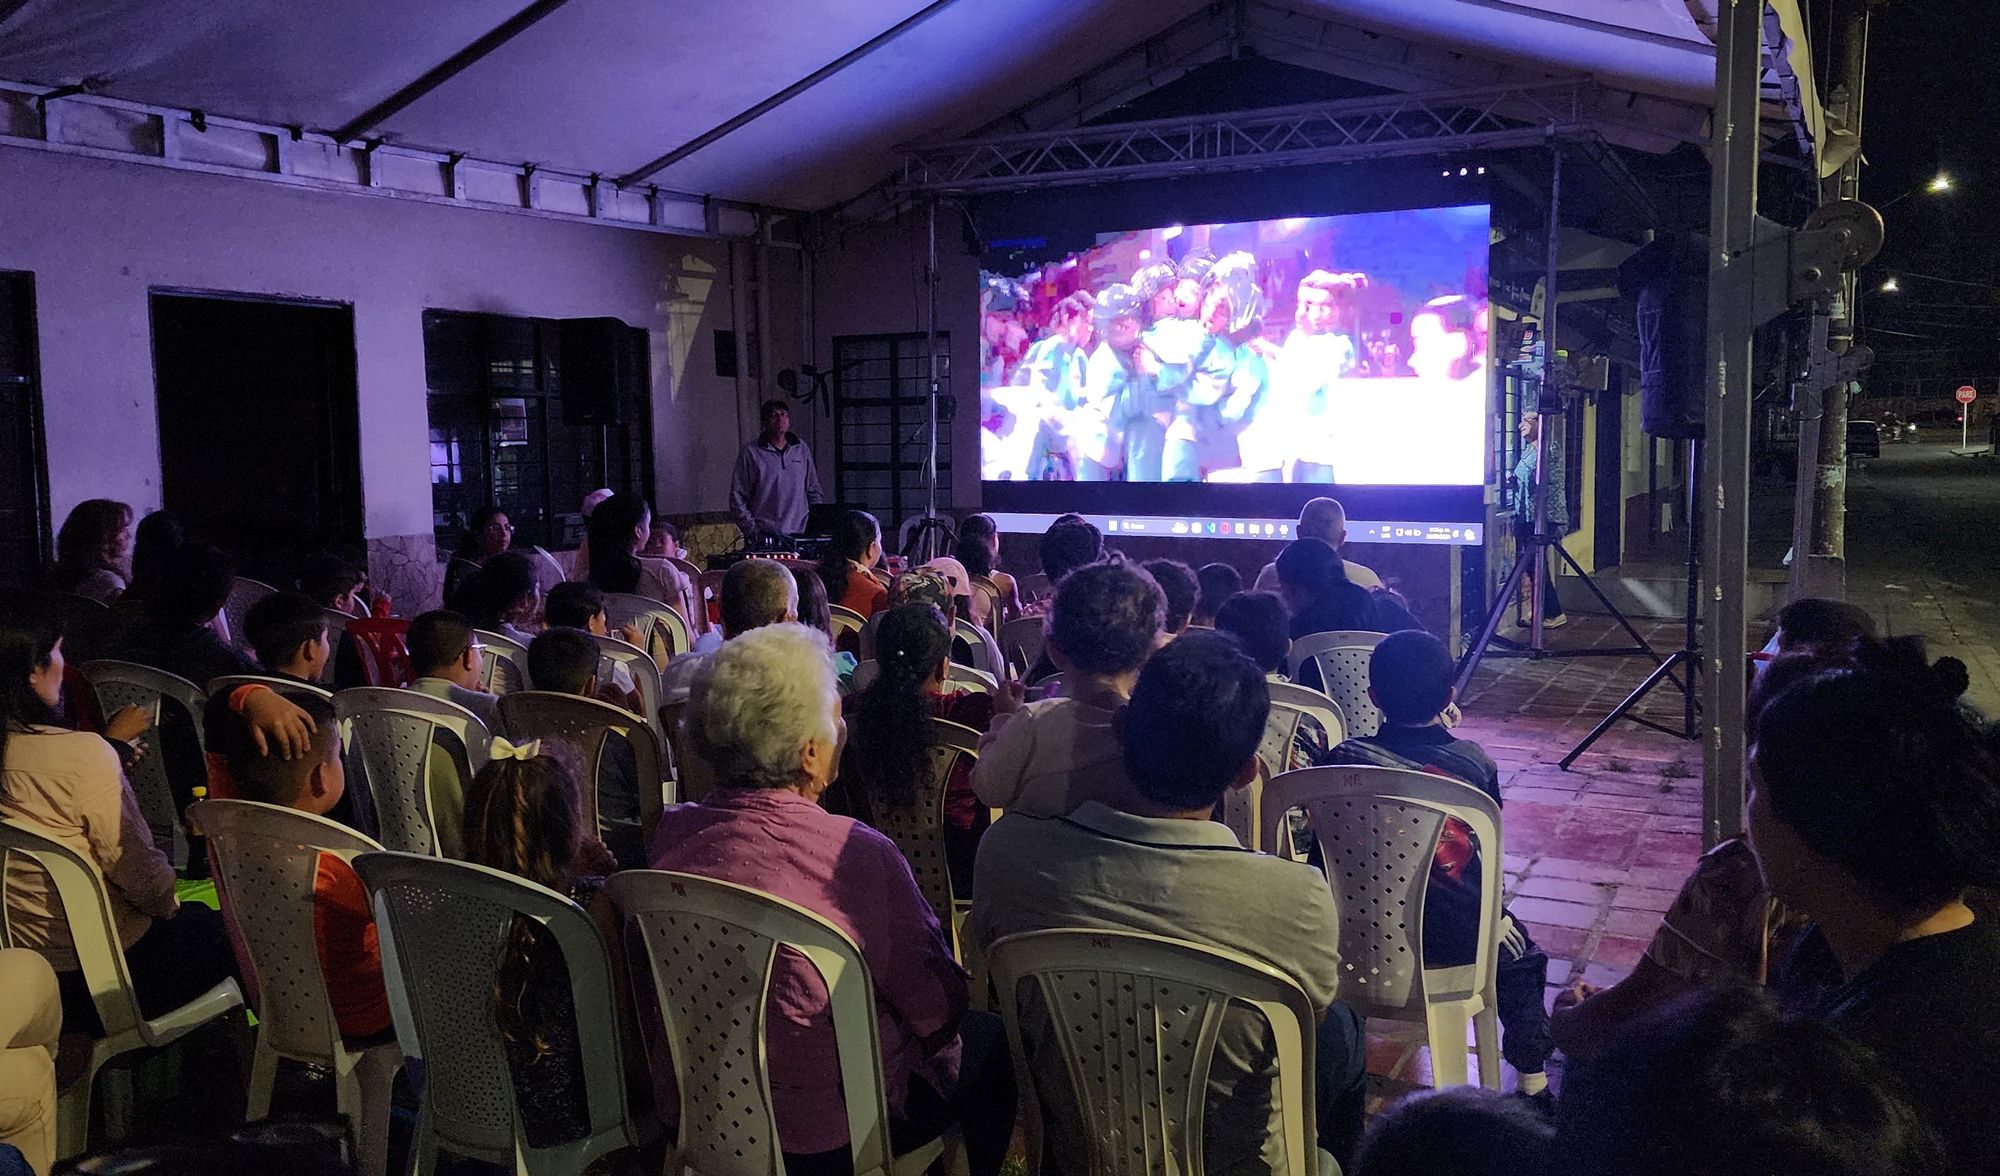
(1864, 439)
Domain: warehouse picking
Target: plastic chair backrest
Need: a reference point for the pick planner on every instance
(86, 909)
(645, 675)
(710, 946)
(661, 624)
(121, 684)
(267, 861)
(1022, 640)
(1296, 711)
(394, 731)
(1033, 586)
(443, 925)
(1156, 1005)
(1315, 703)
(693, 777)
(980, 646)
(382, 647)
(845, 621)
(503, 663)
(1342, 662)
(1378, 831)
(230, 682)
(986, 591)
(919, 830)
(586, 724)
(244, 593)
(549, 571)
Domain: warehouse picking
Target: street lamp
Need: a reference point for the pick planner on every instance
(1937, 185)
(1890, 286)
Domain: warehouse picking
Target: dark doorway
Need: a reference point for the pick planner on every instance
(260, 449)
(24, 486)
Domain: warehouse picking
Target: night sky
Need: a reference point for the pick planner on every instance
(1932, 106)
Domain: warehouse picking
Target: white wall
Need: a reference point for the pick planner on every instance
(99, 235)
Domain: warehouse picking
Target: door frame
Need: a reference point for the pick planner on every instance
(38, 436)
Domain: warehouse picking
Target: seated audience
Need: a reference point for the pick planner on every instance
(1258, 622)
(330, 580)
(176, 637)
(505, 596)
(94, 550)
(932, 585)
(487, 533)
(847, 568)
(1067, 545)
(1180, 586)
(350, 957)
(663, 541)
(816, 613)
(618, 530)
(564, 661)
(1456, 1131)
(288, 633)
(522, 816)
(1874, 809)
(573, 604)
(978, 549)
(591, 501)
(1326, 520)
(68, 784)
(1045, 758)
(1219, 582)
(1410, 679)
(1317, 591)
(1148, 857)
(889, 735)
(30, 1026)
(156, 535)
(755, 593)
(1718, 1083)
(766, 715)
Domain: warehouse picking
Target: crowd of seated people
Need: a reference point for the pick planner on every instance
(1814, 1001)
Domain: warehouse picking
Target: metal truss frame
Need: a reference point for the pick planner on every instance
(70, 121)
(1481, 118)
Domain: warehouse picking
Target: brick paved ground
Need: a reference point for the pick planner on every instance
(1592, 854)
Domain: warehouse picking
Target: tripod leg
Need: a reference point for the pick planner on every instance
(1662, 671)
(1626, 624)
(1468, 665)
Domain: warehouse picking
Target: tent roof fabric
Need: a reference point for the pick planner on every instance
(604, 86)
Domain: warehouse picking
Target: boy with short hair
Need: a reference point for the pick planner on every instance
(288, 633)
(1410, 678)
(350, 957)
(574, 604)
(446, 659)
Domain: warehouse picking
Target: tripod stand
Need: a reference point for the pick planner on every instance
(932, 535)
(1687, 658)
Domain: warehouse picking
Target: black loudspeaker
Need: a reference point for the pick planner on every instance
(1668, 278)
(596, 370)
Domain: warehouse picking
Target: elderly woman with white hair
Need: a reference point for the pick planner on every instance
(764, 712)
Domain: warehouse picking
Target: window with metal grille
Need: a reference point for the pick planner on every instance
(882, 424)
(24, 482)
(497, 431)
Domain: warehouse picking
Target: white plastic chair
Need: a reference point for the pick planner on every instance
(230, 682)
(645, 675)
(391, 733)
(709, 947)
(845, 621)
(267, 861)
(665, 630)
(94, 935)
(442, 924)
(587, 724)
(1378, 831)
(503, 663)
(1134, 1019)
(1021, 642)
(1294, 707)
(961, 676)
(244, 593)
(918, 831)
(1341, 659)
(984, 652)
(121, 684)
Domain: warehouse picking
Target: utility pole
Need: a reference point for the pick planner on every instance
(1819, 521)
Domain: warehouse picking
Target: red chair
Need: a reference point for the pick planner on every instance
(382, 645)
(80, 699)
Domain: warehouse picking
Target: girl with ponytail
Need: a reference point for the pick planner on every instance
(889, 730)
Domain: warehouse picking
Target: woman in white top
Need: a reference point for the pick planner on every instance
(69, 784)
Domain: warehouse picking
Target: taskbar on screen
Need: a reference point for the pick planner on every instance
(1272, 530)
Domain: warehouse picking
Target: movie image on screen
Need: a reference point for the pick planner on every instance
(1343, 350)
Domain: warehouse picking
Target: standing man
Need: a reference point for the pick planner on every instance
(1326, 520)
(775, 480)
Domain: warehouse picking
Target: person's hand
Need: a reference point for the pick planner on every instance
(277, 725)
(630, 635)
(128, 724)
(594, 857)
(1009, 696)
(1575, 995)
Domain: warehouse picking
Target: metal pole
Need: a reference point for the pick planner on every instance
(1544, 441)
(931, 401)
(1726, 478)
(1819, 555)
